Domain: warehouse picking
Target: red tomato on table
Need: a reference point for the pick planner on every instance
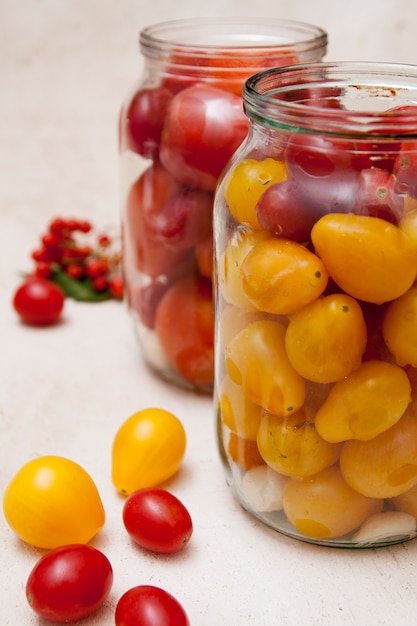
(146, 605)
(69, 583)
(157, 520)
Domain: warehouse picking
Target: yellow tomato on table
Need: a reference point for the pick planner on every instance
(147, 450)
(52, 501)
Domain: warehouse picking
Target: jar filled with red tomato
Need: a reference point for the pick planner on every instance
(315, 230)
(179, 127)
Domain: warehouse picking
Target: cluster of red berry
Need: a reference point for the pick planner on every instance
(70, 247)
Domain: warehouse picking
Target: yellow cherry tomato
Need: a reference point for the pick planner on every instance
(399, 328)
(239, 414)
(247, 182)
(280, 276)
(230, 278)
(256, 360)
(365, 404)
(323, 506)
(292, 446)
(52, 501)
(369, 258)
(326, 339)
(386, 465)
(147, 450)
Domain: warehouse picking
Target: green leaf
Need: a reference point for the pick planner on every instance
(80, 290)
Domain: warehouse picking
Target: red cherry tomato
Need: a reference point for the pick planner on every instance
(203, 128)
(157, 520)
(184, 325)
(146, 605)
(38, 301)
(69, 582)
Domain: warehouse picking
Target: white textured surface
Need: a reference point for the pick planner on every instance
(65, 66)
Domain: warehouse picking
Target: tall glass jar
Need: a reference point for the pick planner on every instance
(179, 126)
(315, 224)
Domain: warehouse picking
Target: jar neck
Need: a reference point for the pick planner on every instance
(220, 47)
(344, 99)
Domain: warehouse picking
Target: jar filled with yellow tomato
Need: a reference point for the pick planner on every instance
(315, 230)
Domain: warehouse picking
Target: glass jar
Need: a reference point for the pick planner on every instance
(315, 230)
(179, 127)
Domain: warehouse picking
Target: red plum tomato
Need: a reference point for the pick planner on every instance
(69, 582)
(38, 301)
(286, 211)
(323, 167)
(142, 121)
(184, 220)
(146, 201)
(377, 196)
(184, 324)
(405, 168)
(203, 128)
(157, 520)
(146, 605)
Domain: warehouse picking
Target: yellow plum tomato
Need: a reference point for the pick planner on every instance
(399, 328)
(256, 360)
(147, 450)
(364, 404)
(246, 183)
(326, 339)
(323, 506)
(230, 263)
(292, 445)
(369, 258)
(52, 501)
(385, 466)
(281, 276)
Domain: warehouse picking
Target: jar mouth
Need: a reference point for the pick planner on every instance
(221, 38)
(343, 98)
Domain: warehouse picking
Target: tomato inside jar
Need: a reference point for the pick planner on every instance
(315, 304)
(178, 129)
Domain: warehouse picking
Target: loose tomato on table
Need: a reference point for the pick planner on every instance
(147, 605)
(157, 520)
(69, 583)
(148, 448)
(38, 301)
(53, 501)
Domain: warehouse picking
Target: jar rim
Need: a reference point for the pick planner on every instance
(223, 36)
(336, 98)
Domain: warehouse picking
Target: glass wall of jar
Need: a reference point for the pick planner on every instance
(315, 224)
(178, 129)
